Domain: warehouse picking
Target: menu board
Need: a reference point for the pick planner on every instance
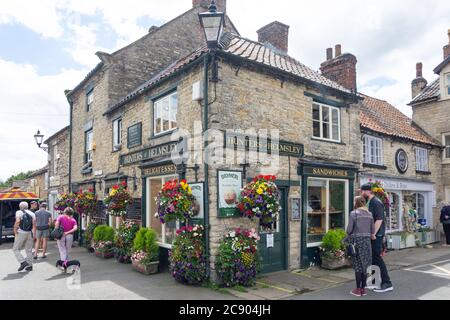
(229, 188)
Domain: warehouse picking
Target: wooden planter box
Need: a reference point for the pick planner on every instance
(147, 270)
(430, 237)
(335, 264)
(395, 241)
(104, 255)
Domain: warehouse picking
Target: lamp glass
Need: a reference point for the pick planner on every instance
(38, 138)
(212, 24)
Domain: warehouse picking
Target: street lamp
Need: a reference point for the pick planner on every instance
(212, 23)
(38, 137)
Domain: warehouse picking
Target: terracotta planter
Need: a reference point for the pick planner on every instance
(335, 264)
(104, 255)
(148, 269)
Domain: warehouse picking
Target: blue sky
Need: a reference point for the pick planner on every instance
(48, 46)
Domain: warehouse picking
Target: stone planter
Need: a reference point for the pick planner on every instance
(428, 237)
(335, 264)
(148, 269)
(104, 255)
(399, 242)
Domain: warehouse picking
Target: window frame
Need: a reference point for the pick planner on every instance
(157, 103)
(88, 152)
(117, 135)
(367, 157)
(330, 123)
(446, 147)
(55, 159)
(422, 154)
(89, 93)
(447, 84)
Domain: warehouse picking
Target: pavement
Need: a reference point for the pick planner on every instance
(418, 273)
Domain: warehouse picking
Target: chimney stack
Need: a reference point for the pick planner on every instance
(276, 34)
(221, 4)
(419, 83)
(341, 68)
(447, 47)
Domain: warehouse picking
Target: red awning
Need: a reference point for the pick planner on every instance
(17, 194)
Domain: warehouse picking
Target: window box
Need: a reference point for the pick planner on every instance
(399, 241)
(426, 237)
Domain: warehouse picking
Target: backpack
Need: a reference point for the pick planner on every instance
(26, 224)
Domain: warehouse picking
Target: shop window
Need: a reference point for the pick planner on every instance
(117, 134)
(446, 142)
(373, 150)
(165, 114)
(326, 122)
(421, 159)
(327, 205)
(167, 231)
(393, 214)
(419, 205)
(88, 145)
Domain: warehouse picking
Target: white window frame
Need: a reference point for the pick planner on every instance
(158, 107)
(89, 146)
(90, 99)
(117, 134)
(330, 124)
(446, 148)
(447, 84)
(422, 159)
(368, 156)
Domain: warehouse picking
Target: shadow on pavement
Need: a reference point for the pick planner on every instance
(15, 276)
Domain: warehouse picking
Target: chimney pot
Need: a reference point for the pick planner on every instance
(447, 47)
(419, 68)
(338, 50)
(276, 34)
(329, 54)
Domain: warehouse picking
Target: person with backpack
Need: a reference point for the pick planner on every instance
(24, 231)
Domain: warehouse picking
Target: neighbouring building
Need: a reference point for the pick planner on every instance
(431, 110)
(38, 184)
(58, 166)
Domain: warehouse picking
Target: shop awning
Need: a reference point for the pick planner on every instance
(17, 194)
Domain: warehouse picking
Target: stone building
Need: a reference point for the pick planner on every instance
(395, 150)
(37, 183)
(431, 110)
(58, 165)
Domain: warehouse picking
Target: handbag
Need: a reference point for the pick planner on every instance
(352, 251)
(58, 233)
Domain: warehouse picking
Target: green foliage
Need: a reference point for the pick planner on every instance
(333, 240)
(103, 233)
(17, 177)
(89, 233)
(124, 238)
(146, 241)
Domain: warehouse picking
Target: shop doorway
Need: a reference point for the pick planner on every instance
(273, 243)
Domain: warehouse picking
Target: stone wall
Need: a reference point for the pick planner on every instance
(59, 180)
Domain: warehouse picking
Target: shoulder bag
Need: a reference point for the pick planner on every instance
(351, 246)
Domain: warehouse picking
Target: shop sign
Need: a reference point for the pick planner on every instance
(229, 187)
(135, 135)
(159, 171)
(329, 172)
(198, 193)
(243, 142)
(401, 161)
(398, 185)
(164, 150)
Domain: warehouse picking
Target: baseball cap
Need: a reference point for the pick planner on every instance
(366, 187)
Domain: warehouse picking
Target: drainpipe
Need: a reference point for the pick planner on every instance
(70, 145)
(205, 128)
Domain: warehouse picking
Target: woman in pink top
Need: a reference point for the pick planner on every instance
(69, 225)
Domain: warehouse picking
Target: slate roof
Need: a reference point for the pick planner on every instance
(252, 51)
(430, 92)
(382, 117)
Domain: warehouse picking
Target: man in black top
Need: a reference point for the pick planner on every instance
(376, 207)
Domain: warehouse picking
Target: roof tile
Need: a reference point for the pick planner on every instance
(428, 93)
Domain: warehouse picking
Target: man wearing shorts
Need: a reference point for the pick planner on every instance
(43, 223)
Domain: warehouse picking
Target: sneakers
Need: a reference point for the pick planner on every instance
(29, 268)
(384, 288)
(35, 257)
(23, 265)
(363, 292)
(356, 292)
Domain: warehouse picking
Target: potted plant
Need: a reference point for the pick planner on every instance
(260, 199)
(187, 258)
(426, 235)
(332, 251)
(118, 200)
(145, 258)
(401, 240)
(89, 236)
(238, 261)
(175, 202)
(103, 242)
(123, 241)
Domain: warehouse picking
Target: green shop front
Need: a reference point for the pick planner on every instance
(327, 192)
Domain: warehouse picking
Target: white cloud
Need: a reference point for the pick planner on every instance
(30, 102)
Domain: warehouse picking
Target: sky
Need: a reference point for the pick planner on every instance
(48, 46)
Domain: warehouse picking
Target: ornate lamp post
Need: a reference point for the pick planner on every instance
(212, 23)
(38, 137)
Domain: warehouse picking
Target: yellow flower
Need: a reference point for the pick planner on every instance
(260, 191)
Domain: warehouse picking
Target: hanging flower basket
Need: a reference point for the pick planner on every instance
(118, 200)
(187, 258)
(65, 200)
(175, 202)
(380, 193)
(260, 199)
(238, 260)
(86, 203)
